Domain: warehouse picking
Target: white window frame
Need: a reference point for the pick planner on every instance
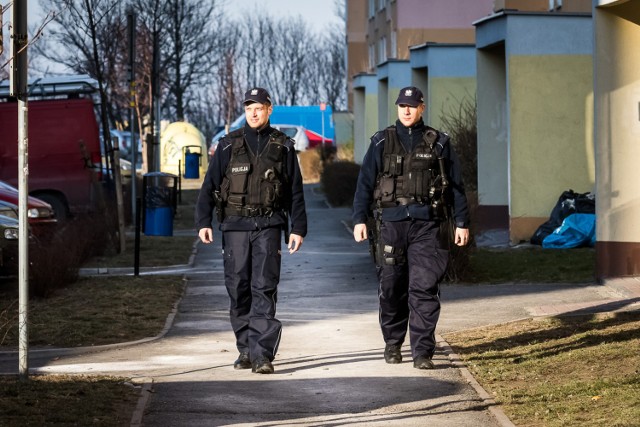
(382, 50)
(372, 56)
(394, 44)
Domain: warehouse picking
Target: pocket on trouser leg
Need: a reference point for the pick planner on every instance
(440, 262)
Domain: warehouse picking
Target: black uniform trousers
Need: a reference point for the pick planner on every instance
(409, 283)
(251, 275)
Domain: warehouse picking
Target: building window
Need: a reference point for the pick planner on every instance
(372, 8)
(393, 49)
(555, 4)
(372, 57)
(381, 4)
(382, 50)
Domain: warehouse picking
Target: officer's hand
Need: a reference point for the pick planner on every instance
(295, 241)
(462, 236)
(360, 232)
(206, 235)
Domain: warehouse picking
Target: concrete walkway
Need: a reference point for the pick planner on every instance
(329, 367)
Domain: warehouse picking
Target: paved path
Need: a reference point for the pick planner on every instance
(329, 367)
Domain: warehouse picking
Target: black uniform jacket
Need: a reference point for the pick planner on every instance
(257, 141)
(372, 164)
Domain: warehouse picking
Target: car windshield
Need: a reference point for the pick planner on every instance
(290, 132)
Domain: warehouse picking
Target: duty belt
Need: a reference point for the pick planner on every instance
(248, 211)
(400, 201)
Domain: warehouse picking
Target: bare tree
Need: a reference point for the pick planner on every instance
(228, 74)
(292, 57)
(187, 43)
(333, 68)
(85, 38)
(206, 61)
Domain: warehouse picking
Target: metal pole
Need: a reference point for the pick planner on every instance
(156, 100)
(131, 24)
(18, 88)
(136, 248)
(322, 147)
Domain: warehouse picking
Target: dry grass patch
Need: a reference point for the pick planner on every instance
(155, 251)
(310, 166)
(66, 400)
(561, 371)
(93, 311)
(531, 264)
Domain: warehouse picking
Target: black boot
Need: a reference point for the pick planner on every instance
(392, 354)
(423, 362)
(262, 366)
(242, 362)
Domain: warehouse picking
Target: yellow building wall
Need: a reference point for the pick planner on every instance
(551, 146)
(445, 97)
(370, 116)
(618, 127)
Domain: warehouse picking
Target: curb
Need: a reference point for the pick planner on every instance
(138, 412)
(494, 409)
(95, 349)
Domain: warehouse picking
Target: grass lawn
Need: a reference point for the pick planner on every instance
(545, 372)
(532, 264)
(93, 311)
(66, 400)
(560, 371)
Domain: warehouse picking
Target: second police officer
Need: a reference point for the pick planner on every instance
(408, 175)
(254, 184)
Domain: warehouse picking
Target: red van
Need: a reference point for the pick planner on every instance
(58, 173)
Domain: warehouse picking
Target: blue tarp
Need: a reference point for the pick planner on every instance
(576, 230)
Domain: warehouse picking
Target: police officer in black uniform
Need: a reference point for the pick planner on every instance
(410, 175)
(255, 186)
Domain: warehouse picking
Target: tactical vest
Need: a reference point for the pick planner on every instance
(418, 177)
(254, 185)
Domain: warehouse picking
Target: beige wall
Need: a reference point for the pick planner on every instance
(446, 95)
(524, 5)
(542, 5)
(617, 132)
(357, 53)
(576, 6)
(365, 120)
(547, 124)
(617, 129)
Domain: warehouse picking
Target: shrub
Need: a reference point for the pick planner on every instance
(345, 151)
(56, 259)
(338, 182)
(459, 268)
(461, 125)
(310, 166)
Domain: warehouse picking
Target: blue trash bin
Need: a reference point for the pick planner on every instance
(159, 203)
(192, 160)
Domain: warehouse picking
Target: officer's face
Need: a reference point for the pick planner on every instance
(257, 114)
(409, 115)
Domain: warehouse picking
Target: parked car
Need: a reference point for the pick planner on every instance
(297, 133)
(124, 144)
(236, 124)
(64, 142)
(8, 244)
(40, 214)
(8, 209)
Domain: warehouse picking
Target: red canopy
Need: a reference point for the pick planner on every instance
(316, 139)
